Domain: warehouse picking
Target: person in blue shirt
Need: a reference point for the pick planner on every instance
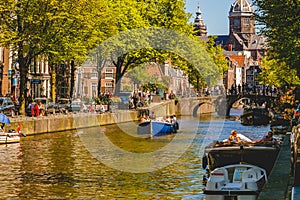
(268, 138)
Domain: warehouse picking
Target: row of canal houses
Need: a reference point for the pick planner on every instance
(243, 49)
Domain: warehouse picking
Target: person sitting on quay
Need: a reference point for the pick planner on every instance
(101, 108)
(41, 108)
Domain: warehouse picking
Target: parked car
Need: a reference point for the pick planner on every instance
(7, 106)
(63, 104)
(75, 106)
(125, 100)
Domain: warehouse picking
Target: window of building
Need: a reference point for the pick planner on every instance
(108, 84)
(94, 89)
(246, 21)
(86, 75)
(236, 22)
(85, 91)
(94, 75)
(109, 73)
(109, 70)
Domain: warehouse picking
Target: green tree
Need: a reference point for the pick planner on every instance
(276, 72)
(139, 75)
(59, 30)
(168, 14)
(280, 21)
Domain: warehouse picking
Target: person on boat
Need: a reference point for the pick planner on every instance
(2, 127)
(268, 138)
(143, 119)
(152, 115)
(233, 137)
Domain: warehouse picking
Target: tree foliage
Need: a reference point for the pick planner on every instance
(276, 72)
(280, 20)
(139, 75)
(59, 30)
(65, 31)
(172, 39)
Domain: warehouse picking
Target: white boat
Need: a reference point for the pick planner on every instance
(7, 138)
(238, 181)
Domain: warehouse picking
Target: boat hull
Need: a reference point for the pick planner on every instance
(263, 156)
(256, 117)
(155, 128)
(7, 138)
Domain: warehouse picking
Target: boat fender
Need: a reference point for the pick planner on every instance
(241, 147)
(204, 162)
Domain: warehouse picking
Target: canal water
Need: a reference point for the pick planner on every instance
(81, 165)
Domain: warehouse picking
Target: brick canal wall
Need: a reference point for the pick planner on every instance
(60, 122)
(277, 186)
(56, 123)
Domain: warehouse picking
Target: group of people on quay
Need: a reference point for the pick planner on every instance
(144, 98)
(253, 89)
(101, 104)
(36, 108)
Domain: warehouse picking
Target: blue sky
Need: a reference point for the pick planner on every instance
(214, 14)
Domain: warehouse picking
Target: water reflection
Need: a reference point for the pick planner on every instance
(58, 166)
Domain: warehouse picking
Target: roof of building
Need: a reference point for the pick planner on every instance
(238, 59)
(241, 7)
(221, 39)
(256, 42)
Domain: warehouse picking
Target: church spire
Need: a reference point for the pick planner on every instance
(199, 24)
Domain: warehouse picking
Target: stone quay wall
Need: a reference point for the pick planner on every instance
(60, 122)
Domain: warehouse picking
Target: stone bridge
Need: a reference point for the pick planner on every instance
(224, 104)
(196, 105)
(220, 104)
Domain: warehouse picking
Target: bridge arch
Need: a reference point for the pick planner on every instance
(258, 99)
(190, 106)
(196, 108)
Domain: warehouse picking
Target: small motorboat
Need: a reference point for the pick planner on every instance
(7, 138)
(157, 128)
(219, 154)
(255, 116)
(11, 136)
(239, 181)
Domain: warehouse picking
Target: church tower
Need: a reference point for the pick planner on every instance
(199, 24)
(241, 26)
(241, 18)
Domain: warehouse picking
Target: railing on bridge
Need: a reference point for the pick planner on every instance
(225, 103)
